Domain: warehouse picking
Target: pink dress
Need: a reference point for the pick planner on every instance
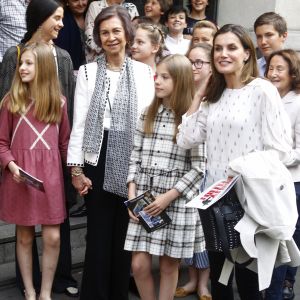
(39, 149)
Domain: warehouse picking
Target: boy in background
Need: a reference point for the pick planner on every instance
(271, 32)
(176, 22)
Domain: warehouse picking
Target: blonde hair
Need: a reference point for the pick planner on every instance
(155, 35)
(203, 24)
(44, 89)
(206, 24)
(180, 70)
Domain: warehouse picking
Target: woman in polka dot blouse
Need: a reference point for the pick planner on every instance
(238, 114)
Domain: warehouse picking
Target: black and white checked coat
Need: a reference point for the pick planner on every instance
(152, 155)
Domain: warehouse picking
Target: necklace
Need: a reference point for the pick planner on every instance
(113, 68)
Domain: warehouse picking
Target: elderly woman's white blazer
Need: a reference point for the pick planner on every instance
(144, 79)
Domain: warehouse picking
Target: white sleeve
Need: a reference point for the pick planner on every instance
(192, 130)
(81, 105)
(276, 126)
(297, 138)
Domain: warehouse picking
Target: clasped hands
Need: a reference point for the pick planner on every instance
(82, 184)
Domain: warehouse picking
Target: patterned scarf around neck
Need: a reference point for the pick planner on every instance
(123, 122)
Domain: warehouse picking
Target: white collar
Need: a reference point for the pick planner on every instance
(176, 40)
(291, 96)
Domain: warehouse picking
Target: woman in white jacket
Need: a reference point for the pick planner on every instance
(283, 70)
(238, 114)
(109, 96)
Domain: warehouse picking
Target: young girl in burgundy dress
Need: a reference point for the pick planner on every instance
(34, 134)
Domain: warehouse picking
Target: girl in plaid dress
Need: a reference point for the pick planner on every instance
(155, 152)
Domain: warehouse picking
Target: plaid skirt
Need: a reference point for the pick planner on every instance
(180, 239)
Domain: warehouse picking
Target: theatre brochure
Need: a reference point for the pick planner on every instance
(31, 180)
(150, 223)
(213, 193)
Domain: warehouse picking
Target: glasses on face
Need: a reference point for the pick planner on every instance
(198, 63)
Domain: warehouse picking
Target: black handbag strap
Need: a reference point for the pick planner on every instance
(223, 237)
(222, 232)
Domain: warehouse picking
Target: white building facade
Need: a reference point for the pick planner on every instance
(245, 12)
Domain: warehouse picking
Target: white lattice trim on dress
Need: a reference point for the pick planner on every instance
(39, 134)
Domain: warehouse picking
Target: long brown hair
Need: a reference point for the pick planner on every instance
(180, 70)
(44, 90)
(292, 58)
(249, 72)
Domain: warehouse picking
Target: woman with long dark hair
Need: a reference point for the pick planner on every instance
(239, 113)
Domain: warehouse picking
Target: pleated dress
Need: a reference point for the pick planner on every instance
(39, 149)
(152, 156)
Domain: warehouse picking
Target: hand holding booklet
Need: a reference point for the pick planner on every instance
(31, 180)
(150, 223)
(213, 193)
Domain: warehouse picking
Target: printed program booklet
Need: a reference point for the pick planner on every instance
(150, 223)
(31, 180)
(213, 193)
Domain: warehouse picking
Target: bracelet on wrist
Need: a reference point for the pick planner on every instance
(76, 172)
